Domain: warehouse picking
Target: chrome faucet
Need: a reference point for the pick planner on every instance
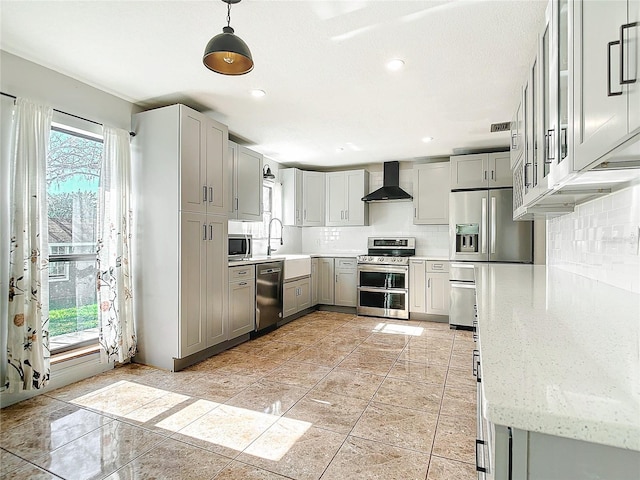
(269, 239)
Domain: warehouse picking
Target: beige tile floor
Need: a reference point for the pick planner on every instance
(331, 396)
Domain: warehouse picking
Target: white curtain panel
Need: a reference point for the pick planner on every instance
(28, 335)
(115, 295)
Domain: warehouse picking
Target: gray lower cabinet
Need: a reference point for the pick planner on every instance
(296, 296)
(346, 288)
(315, 280)
(242, 300)
(326, 282)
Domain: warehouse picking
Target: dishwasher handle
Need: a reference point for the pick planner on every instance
(269, 270)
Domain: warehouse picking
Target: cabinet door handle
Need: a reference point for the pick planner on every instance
(341, 214)
(346, 214)
(429, 283)
(624, 81)
(211, 231)
(336, 278)
(514, 145)
(474, 364)
(563, 143)
(485, 174)
(492, 175)
(526, 176)
(210, 194)
(204, 193)
(609, 92)
(204, 231)
(482, 469)
(415, 212)
(243, 283)
(551, 144)
(244, 272)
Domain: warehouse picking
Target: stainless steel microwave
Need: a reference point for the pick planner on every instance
(239, 246)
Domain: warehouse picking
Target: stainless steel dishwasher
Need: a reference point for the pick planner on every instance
(268, 294)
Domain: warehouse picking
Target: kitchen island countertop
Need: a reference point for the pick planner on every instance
(560, 354)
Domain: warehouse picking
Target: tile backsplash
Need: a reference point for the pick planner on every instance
(386, 219)
(599, 239)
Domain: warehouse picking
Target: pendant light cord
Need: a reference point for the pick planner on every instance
(228, 14)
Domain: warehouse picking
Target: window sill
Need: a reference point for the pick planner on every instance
(73, 354)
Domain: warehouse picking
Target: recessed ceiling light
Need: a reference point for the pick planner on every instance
(427, 139)
(395, 64)
(258, 93)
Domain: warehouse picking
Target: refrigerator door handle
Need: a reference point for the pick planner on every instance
(483, 226)
(493, 224)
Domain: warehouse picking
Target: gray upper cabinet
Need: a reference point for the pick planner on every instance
(606, 84)
(302, 197)
(313, 199)
(431, 193)
(517, 134)
(344, 192)
(202, 176)
(484, 170)
(245, 196)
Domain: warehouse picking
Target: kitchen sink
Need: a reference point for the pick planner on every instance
(296, 266)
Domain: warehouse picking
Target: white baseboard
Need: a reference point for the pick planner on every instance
(62, 374)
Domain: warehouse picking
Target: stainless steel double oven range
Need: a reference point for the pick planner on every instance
(383, 277)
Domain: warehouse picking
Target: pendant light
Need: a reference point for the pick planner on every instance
(226, 53)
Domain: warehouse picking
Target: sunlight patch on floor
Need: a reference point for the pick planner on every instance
(395, 329)
(224, 425)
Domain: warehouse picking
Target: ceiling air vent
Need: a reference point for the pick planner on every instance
(500, 127)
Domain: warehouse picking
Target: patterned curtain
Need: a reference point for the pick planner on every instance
(28, 329)
(115, 300)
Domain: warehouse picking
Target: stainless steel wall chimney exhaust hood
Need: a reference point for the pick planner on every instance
(390, 189)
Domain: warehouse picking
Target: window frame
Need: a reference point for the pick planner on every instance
(75, 127)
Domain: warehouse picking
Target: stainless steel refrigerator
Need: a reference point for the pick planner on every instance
(482, 228)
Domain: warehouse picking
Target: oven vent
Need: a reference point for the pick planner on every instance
(500, 127)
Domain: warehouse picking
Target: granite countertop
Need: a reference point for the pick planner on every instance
(430, 257)
(263, 258)
(560, 354)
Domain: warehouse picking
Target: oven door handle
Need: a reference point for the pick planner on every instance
(382, 269)
(383, 290)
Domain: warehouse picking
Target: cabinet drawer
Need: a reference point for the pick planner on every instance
(241, 273)
(435, 266)
(345, 263)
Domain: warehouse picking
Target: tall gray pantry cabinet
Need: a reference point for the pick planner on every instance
(180, 178)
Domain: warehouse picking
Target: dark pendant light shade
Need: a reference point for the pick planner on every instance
(226, 53)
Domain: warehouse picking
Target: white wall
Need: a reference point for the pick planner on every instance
(600, 239)
(27, 79)
(22, 78)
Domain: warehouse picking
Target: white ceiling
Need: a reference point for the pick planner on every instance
(330, 101)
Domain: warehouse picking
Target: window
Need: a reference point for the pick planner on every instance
(267, 206)
(73, 174)
(58, 271)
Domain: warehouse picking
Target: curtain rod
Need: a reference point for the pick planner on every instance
(133, 134)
